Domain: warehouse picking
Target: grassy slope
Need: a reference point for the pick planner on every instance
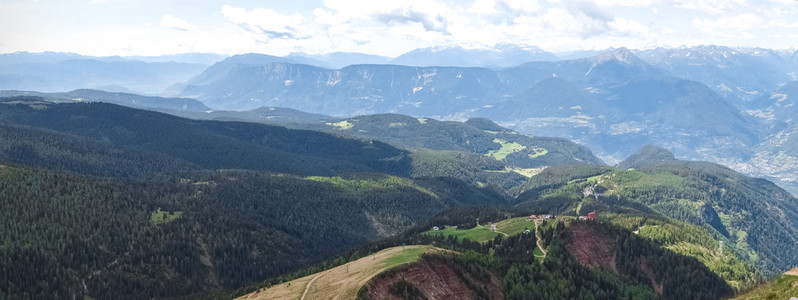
(482, 233)
(506, 149)
(356, 185)
(344, 281)
(783, 287)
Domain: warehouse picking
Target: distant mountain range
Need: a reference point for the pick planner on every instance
(603, 101)
(58, 72)
(728, 105)
(739, 74)
(502, 56)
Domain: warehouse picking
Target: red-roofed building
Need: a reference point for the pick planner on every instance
(591, 215)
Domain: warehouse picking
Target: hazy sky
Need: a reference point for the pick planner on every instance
(154, 27)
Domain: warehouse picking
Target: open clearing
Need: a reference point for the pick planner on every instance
(483, 233)
(162, 217)
(538, 152)
(343, 125)
(343, 282)
(506, 149)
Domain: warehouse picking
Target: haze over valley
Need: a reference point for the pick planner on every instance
(422, 150)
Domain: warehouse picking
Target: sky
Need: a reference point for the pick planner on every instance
(387, 28)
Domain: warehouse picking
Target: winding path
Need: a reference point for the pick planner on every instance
(537, 235)
(307, 287)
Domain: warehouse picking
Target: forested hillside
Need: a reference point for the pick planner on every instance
(671, 197)
(134, 134)
(112, 202)
(197, 233)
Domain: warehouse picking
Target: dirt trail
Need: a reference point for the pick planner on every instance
(537, 235)
(307, 287)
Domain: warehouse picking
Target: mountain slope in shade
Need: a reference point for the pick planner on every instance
(207, 144)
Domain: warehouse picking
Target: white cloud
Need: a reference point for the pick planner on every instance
(712, 6)
(628, 27)
(389, 27)
(176, 23)
(728, 26)
(503, 11)
(267, 23)
(632, 3)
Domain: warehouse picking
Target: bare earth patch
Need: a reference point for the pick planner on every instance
(590, 248)
(435, 278)
(344, 281)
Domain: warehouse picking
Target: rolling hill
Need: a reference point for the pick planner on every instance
(124, 99)
(344, 281)
(505, 268)
(207, 144)
(730, 207)
(110, 201)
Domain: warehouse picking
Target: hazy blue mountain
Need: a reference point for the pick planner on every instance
(73, 74)
(613, 102)
(338, 60)
(357, 89)
(43, 57)
(685, 116)
(190, 58)
(777, 156)
(308, 60)
(742, 74)
(54, 57)
(270, 115)
(609, 68)
(498, 57)
(218, 70)
(124, 99)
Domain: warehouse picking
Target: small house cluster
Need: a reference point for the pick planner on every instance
(542, 217)
(590, 216)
